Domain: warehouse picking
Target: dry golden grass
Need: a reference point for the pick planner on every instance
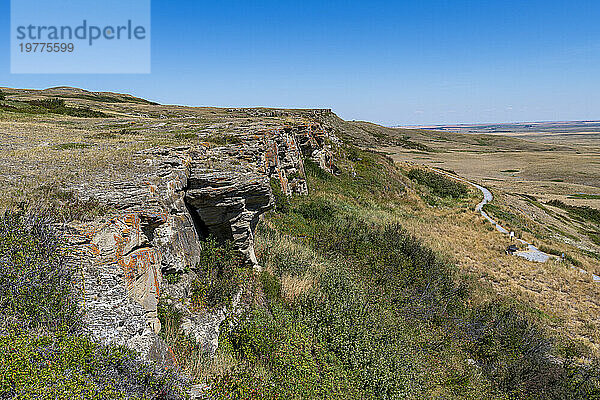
(569, 299)
(292, 286)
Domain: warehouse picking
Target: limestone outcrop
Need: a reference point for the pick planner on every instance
(227, 205)
(173, 199)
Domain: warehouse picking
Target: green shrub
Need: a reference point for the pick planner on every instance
(282, 203)
(54, 106)
(409, 144)
(172, 278)
(51, 104)
(220, 273)
(584, 213)
(271, 286)
(317, 209)
(313, 169)
(440, 185)
(277, 343)
(2, 95)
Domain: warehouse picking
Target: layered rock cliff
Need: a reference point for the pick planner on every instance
(176, 198)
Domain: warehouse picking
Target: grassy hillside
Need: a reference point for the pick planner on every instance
(351, 305)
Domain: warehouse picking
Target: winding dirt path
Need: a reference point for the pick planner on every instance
(532, 253)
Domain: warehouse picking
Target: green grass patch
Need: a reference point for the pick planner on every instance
(185, 136)
(580, 213)
(584, 196)
(282, 203)
(506, 217)
(223, 139)
(439, 185)
(220, 272)
(406, 143)
(50, 106)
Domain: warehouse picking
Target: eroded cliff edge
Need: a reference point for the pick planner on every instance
(159, 219)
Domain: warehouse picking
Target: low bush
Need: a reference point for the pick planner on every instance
(282, 203)
(50, 104)
(220, 273)
(314, 170)
(440, 185)
(406, 143)
(58, 106)
(584, 213)
(317, 209)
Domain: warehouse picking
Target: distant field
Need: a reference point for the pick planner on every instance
(563, 127)
(569, 166)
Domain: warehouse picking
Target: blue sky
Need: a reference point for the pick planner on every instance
(391, 62)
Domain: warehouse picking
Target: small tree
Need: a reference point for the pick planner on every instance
(2, 96)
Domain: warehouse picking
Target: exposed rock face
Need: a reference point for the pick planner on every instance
(287, 146)
(227, 204)
(178, 197)
(123, 256)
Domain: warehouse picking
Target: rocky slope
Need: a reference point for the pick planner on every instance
(177, 197)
